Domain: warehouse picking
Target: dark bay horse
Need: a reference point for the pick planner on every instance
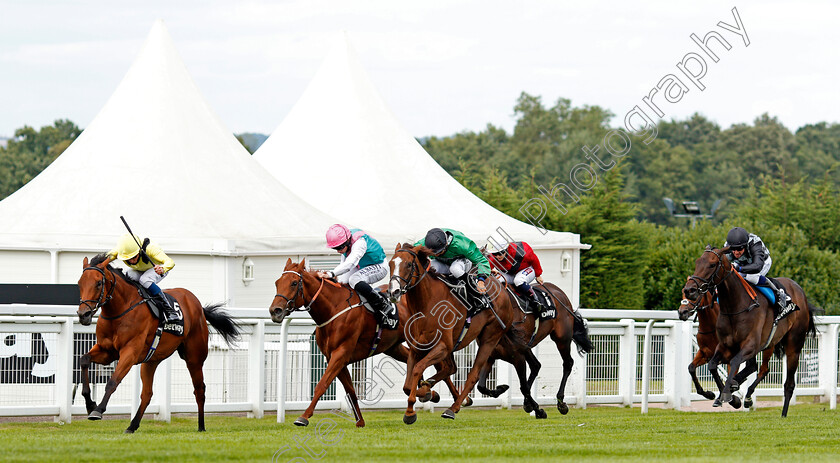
(438, 323)
(126, 329)
(345, 334)
(745, 325)
(563, 330)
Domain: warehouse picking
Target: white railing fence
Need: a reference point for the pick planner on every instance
(640, 357)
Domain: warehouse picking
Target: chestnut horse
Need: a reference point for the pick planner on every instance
(438, 325)
(345, 332)
(127, 335)
(563, 330)
(745, 324)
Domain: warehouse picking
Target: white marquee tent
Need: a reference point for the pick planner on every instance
(158, 154)
(375, 175)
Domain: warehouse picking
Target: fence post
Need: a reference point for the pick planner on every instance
(827, 337)
(281, 371)
(673, 355)
(685, 356)
(627, 361)
(256, 370)
(64, 371)
(580, 364)
(165, 394)
(646, 365)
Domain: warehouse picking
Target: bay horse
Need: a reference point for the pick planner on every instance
(563, 329)
(344, 335)
(125, 331)
(439, 324)
(745, 324)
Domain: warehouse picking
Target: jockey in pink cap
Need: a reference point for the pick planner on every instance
(362, 263)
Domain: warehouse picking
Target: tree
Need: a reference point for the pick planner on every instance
(31, 151)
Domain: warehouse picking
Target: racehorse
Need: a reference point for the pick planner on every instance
(707, 311)
(563, 329)
(745, 325)
(343, 335)
(439, 322)
(128, 335)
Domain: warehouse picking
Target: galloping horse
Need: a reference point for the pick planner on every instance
(745, 325)
(342, 335)
(128, 335)
(439, 324)
(563, 330)
(707, 311)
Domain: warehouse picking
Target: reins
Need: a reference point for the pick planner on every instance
(307, 307)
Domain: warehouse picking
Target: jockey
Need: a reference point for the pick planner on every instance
(148, 268)
(362, 263)
(456, 254)
(750, 257)
(518, 264)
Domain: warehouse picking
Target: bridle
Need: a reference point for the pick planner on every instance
(707, 285)
(289, 306)
(103, 298)
(414, 272)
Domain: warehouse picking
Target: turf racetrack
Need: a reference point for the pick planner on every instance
(810, 433)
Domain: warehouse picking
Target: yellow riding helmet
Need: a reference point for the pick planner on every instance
(127, 247)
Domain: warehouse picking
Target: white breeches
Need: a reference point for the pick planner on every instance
(458, 268)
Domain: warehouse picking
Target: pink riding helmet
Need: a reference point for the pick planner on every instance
(337, 235)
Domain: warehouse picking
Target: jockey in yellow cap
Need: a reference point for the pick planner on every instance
(148, 268)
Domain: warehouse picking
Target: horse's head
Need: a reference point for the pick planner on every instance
(689, 308)
(408, 267)
(710, 269)
(289, 291)
(95, 288)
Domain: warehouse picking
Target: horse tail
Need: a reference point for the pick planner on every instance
(222, 322)
(813, 311)
(580, 334)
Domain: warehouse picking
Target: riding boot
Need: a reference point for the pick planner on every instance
(783, 301)
(381, 307)
(388, 318)
(173, 320)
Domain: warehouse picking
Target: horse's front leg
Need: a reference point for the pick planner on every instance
(147, 374)
(338, 360)
(435, 355)
(734, 366)
(700, 359)
(129, 356)
(95, 355)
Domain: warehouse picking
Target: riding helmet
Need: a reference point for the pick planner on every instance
(737, 238)
(436, 240)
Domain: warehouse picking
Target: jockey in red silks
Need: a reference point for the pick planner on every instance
(519, 266)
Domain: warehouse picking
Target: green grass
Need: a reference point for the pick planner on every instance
(810, 433)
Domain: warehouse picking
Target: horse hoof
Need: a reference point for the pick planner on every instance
(734, 386)
(748, 402)
(709, 395)
(717, 403)
(562, 408)
(424, 398)
(735, 402)
(448, 414)
(467, 402)
(485, 391)
(301, 422)
(527, 407)
(501, 389)
(360, 424)
(541, 414)
(409, 419)
(95, 416)
(435, 397)
(128, 431)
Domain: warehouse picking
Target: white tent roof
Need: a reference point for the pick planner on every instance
(370, 172)
(157, 154)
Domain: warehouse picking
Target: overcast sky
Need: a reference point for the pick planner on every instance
(442, 66)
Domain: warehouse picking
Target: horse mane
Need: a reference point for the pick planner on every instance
(99, 258)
